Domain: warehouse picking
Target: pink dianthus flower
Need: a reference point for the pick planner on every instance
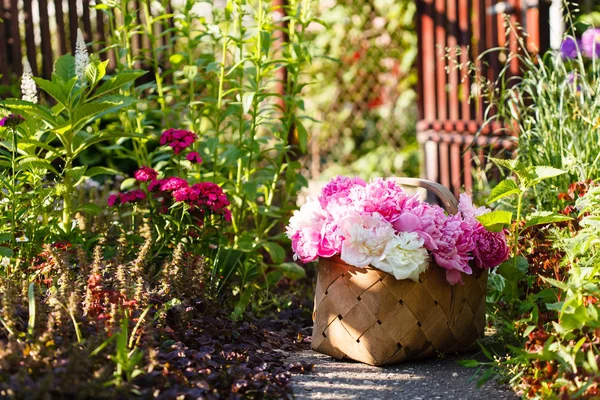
(145, 174)
(114, 200)
(177, 139)
(194, 157)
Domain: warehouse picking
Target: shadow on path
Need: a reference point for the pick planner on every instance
(417, 380)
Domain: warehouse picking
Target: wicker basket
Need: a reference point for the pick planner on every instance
(367, 315)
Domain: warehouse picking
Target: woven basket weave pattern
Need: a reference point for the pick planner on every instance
(369, 316)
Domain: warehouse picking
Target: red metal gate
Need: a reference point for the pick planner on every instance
(451, 128)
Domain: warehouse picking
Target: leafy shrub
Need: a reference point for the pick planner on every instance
(552, 113)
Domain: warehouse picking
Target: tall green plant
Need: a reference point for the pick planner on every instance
(57, 135)
(228, 77)
(552, 110)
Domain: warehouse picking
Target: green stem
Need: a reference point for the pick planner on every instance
(67, 195)
(13, 199)
(517, 231)
(220, 97)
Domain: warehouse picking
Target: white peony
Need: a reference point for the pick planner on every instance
(366, 237)
(404, 256)
(310, 215)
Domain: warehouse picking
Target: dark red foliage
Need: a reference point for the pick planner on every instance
(211, 357)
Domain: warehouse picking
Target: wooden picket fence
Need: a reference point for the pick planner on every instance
(42, 30)
(451, 128)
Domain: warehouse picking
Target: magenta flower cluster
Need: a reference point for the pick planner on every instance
(379, 224)
(145, 174)
(132, 196)
(177, 139)
(204, 198)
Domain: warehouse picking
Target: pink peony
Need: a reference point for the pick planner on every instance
(365, 238)
(194, 157)
(491, 249)
(338, 189)
(331, 240)
(385, 197)
(424, 219)
(467, 208)
(310, 215)
(305, 244)
(454, 248)
(145, 174)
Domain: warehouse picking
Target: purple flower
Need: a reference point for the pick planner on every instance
(569, 48)
(590, 42)
(11, 120)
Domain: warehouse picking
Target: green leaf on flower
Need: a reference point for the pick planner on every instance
(528, 330)
(495, 221)
(511, 165)
(5, 237)
(90, 208)
(64, 68)
(95, 171)
(292, 270)
(128, 183)
(469, 363)
(36, 162)
(512, 271)
(276, 252)
(5, 252)
(541, 173)
(53, 89)
(117, 82)
(504, 189)
(545, 217)
(247, 99)
(574, 319)
(302, 136)
(77, 173)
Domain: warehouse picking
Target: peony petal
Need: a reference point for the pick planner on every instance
(453, 277)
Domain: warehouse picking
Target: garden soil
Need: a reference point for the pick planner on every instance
(417, 380)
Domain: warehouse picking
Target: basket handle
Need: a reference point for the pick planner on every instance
(448, 199)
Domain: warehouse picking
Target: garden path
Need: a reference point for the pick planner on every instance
(417, 380)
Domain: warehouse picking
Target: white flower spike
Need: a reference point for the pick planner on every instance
(82, 59)
(28, 86)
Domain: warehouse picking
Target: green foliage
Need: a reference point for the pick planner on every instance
(552, 111)
(363, 108)
(58, 135)
(250, 132)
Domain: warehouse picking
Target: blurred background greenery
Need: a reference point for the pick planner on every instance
(364, 105)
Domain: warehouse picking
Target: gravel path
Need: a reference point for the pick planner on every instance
(419, 380)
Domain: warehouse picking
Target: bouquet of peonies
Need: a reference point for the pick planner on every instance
(381, 225)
